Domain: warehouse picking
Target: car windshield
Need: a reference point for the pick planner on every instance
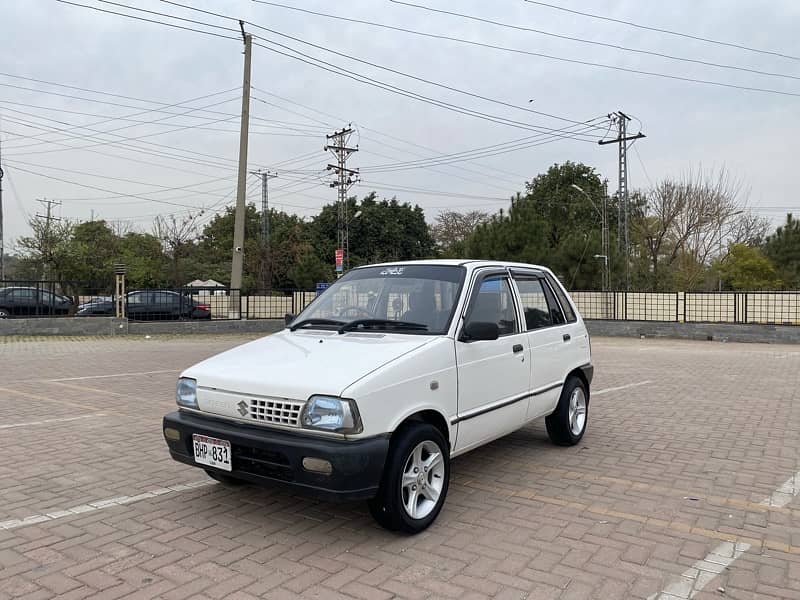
(411, 299)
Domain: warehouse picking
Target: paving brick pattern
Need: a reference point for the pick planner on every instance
(668, 472)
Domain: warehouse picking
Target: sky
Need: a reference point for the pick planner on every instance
(123, 119)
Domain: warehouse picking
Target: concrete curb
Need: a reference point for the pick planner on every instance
(718, 332)
(93, 326)
(724, 332)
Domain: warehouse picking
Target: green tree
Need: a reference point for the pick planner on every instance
(384, 230)
(213, 260)
(45, 254)
(746, 268)
(144, 259)
(783, 248)
(92, 250)
(551, 224)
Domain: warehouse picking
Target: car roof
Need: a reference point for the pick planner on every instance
(469, 263)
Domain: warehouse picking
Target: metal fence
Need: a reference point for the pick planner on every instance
(755, 307)
(20, 298)
(628, 306)
(26, 298)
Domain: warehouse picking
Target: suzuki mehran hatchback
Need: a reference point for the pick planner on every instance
(385, 377)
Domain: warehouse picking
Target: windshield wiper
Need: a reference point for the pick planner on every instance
(382, 323)
(305, 322)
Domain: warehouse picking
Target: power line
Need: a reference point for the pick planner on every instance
(162, 105)
(493, 171)
(119, 143)
(667, 31)
(402, 29)
(516, 50)
(151, 20)
(586, 41)
(154, 121)
(388, 87)
(467, 155)
(617, 67)
(93, 187)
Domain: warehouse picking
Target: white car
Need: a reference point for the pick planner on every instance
(385, 377)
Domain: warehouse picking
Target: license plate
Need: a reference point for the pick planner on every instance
(212, 452)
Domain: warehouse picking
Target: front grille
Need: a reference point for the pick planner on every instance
(277, 412)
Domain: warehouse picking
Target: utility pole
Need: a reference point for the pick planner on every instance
(234, 308)
(337, 145)
(47, 249)
(266, 259)
(620, 119)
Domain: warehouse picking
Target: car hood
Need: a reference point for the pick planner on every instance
(299, 364)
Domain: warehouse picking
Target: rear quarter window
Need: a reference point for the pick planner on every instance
(569, 313)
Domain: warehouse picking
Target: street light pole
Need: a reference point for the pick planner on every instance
(603, 233)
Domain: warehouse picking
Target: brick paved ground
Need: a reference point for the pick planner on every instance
(669, 471)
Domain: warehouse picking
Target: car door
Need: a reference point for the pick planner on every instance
(548, 338)
(138, 305)
(23, 301)
(493, 375)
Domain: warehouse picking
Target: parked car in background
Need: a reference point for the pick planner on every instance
(151, 305)
(32, 302)
(383, 378)
(95, 300)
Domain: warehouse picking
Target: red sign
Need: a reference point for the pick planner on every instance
(339, 259)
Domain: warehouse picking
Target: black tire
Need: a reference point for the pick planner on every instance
(225, 479)
(559, 425)
(388, 507)
(4, 313)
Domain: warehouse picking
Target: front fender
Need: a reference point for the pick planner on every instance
(423, 379)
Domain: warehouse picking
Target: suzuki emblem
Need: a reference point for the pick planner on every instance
(243, 408)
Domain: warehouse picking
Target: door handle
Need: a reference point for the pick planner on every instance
(567, 337)
(517, 348)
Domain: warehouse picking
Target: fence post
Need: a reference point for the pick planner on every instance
(625, 304)
(736, 307)
(744, 318)
(677, 307)
(685, 300)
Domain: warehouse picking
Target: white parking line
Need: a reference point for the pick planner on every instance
(45, 421)
(621, 387)
(694, 579)
(101, 504)
(114, 375)
(784, 494)
(699, 575)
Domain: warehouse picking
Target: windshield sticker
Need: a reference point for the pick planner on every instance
(392, 271)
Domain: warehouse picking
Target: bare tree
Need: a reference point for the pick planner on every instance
(452, 228)
(685, 223)
(176, 235)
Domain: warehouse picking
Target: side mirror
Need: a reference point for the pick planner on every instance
(288, 318)
(480, 331)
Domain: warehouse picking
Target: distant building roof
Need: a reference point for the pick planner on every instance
(200, 283)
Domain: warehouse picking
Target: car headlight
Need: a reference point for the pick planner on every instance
(328, 413)
(186, 392)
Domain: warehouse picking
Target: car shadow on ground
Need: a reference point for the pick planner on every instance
(280, 511)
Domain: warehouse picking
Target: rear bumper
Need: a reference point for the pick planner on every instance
(273, 457)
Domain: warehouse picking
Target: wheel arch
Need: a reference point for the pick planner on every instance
(579, 373)
(430, 416)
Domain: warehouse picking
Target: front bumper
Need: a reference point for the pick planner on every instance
(269, 457)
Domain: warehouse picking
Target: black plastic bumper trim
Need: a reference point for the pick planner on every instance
(271, 457)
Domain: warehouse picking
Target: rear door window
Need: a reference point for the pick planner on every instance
(534, 303)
